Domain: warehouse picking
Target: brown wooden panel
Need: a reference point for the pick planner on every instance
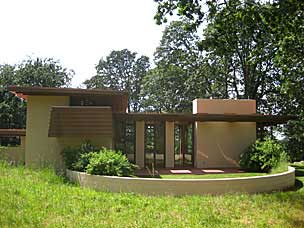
(205, 117)
(12, 132)
(80, 121)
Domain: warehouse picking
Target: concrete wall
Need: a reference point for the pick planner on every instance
(169, 144)
(221, 106)
(14, 154)
(152, 186)
(140, 144)
(219, 144)
(42, 150)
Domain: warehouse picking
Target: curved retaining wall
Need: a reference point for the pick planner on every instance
(154, 186)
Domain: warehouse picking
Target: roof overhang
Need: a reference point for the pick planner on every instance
(50, 91)
(12, 132)
(205, 117)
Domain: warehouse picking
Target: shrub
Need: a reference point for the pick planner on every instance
(262, 156)
(75, 158)
(110, 163)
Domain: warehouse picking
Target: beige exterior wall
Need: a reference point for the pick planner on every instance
(152, 186)
(14, 154)
(42, 150)
(221, 106)
(219, 144)
(140, 144)
(169, 144)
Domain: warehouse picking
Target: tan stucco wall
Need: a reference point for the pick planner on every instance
(221, 106)
(152, 186)
(140, 144)
(14, 154)
(219, 144)
(42, 150)
(169, 144)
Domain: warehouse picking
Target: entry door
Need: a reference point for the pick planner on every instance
(155, 144)
(183, 145)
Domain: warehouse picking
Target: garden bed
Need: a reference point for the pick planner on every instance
(157, 186)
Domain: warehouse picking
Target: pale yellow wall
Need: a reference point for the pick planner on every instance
(43, 150)
(140, 144)
(221, 106)
(14, 154)
(219, 144)
(40, 149)
(169, 144)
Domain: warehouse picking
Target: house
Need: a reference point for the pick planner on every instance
(213, 136)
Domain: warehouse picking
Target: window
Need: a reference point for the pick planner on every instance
(125, 137)
(155, 144)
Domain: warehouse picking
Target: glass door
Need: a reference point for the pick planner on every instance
(155, 144)
(183, 145)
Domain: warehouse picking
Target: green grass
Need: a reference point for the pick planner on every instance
(30, 198)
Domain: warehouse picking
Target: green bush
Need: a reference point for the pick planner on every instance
(110, 163)
(262, 156)
(76, 158)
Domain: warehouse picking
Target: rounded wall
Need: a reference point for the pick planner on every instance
(153, 186)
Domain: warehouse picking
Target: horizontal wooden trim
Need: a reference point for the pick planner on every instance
(81, 121)
(50, 91)
(12, 132)
(188, 117)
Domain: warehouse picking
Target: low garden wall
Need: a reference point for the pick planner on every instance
(154, 186)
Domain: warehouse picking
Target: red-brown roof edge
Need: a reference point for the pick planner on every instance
(49, 91)
(12, 132)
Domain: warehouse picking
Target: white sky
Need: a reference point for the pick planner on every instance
(77, 32)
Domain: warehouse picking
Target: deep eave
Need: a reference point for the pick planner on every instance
(188, 117)
(12, 132)
(50, 91)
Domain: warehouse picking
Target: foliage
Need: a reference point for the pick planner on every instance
(263, 156)
(257, 47)
(121, 70)
(181, 73)
(295, 139)
(110, 163)
(39, 198)
(12, 115)
(45, 72)
(76, 158)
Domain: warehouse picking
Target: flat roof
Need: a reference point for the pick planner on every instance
(12, 132)
(206, 117)
(51, 91)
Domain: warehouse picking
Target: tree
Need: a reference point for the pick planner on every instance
(122, 70)
(44, 72)
(180, 74)
(262, 45)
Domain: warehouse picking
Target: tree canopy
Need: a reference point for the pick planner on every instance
(121, 70)
(43, 72)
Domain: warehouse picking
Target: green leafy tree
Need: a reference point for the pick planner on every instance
(122, 70)
(181, 73)
(259, 46)
(43, 72)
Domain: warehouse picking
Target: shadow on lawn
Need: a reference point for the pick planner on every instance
(299, 173)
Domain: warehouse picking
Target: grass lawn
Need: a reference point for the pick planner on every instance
(41, 199)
